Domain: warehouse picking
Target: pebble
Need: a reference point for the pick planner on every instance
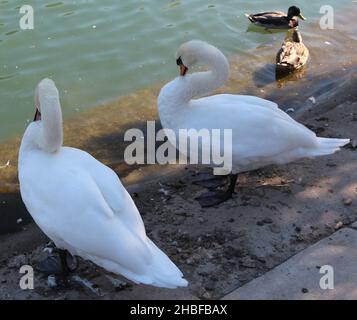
(339, 225)
(201, 220)
(268, 220)
(205, 295)
(347, 202)
(312, 99)
(248, 262)
(274, 228)
(52, 281)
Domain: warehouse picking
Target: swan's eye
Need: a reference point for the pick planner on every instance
(179, 61)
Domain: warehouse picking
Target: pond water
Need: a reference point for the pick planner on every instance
(98, 51)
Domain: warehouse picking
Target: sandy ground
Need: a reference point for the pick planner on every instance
(275, 213)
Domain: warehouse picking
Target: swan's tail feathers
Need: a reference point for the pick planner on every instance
(159, 272)
(328, 146)
(164, 273)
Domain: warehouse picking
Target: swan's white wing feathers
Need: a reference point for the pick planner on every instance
(87, 222)
(259, 127)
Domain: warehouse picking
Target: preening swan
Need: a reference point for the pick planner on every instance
(262, 134)
(81, 204)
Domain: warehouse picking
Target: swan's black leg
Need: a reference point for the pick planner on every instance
(213, 198)
(57, 263)
(64, 265)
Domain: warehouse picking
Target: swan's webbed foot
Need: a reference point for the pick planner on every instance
(214, 198)
(210, 181)
(59, 262)
(58, 266)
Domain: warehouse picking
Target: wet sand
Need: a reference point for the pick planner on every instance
(275, 213)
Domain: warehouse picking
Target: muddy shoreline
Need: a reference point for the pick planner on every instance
(276, 212)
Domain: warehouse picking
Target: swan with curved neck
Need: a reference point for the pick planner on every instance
(262, 134)
(81, 204)
(46, 132)
(188, 86)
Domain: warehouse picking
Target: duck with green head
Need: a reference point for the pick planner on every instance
(277, 19)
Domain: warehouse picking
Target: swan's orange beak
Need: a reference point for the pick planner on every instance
(37, 115)
(183, 70)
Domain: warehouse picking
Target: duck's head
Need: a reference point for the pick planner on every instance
(46, 87)
(295, 12)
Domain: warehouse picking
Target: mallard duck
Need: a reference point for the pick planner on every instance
(262, 134)
(293, 53)
(277, 20)
(81, 204)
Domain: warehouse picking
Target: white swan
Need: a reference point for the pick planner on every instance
(81, 204)
(262, 134)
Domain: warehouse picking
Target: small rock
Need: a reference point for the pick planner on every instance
(312, 99)
(164, 191)
(268, 220)
(322, 119)
(201, 220)
(52, 281)
(204, 294)
(330, 164)
(338, 225)
(248, 262)
(347, 202)
(274, 228)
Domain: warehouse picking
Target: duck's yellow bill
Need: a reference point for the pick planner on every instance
(302, 17)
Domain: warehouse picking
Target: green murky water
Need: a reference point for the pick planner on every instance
(100, 50)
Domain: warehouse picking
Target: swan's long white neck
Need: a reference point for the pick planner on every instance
(203, 83)
(47, 133)
(177, 93)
